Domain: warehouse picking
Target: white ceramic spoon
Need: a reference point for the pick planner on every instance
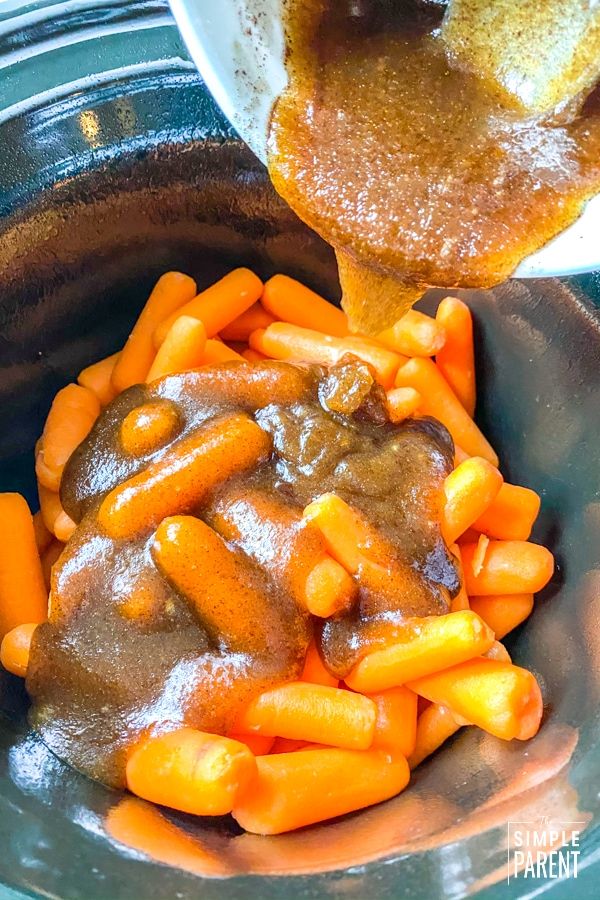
(238, 47)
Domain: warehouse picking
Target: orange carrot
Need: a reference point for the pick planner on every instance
(461, 601)
(55, 518)
(15, 647)
(503, 612)
(314, 713)
(429, 645)
(469, 490)
(218, 352)
(456, 358)
(402, 403)
(254, 355)
(289, 300)
(415, 334)
(314, 669)
(434, 726)
(510, 567)
(72, 414)
(329, 588)
(148, 427)
(297, 789)
(442, 403)
(170, 293)
(23, 596)
(182, 348)
(242, 327)
(511, 515)
(213, 579)
(259, 744)
(497, 696)
(49, 557)
(191, 771)
(98, 379)
(43, 537)
(396, 725)
(186, 472)
(219, 304)
(290, 342)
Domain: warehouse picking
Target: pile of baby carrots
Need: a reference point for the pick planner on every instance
(315, 748)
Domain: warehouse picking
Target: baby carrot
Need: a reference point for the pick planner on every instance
(72, 414)
(189, 469)
(218, 352)
(456, 358)
(148, 427)
(15, 647)
(55, 518)
(469, 490)
(511, 514)
(312, 712)
(97, 378)
(213, 579)
(289, 300)
(434, 726)
(396, 724)
(499, 697)
(461, 600)
(259, 744)
(170, 292)
(43, 537)
(503, 612)
(191, 771)
(510, 567)
(23, 595)
(314, 669)
(402, 403)
(296, 789)
(441, 402)
(182, 348)
(254, 355)
(414, 334)
(242, 327)
(219, 304)
(329, 589)
(290, 342)
(429, 645)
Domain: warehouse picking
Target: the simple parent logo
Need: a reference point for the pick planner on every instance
(543, 849)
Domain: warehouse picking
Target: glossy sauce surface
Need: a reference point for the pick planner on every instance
(419, 168)
(184, 620)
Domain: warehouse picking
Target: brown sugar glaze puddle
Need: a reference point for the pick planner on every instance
(418, 171)
(126, 646)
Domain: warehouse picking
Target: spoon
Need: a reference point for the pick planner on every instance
(238, 47)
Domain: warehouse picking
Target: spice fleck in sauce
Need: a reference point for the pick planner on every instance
(179, 597)
(400, 141)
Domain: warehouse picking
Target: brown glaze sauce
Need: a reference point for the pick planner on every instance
(398, 141)
(125, 650)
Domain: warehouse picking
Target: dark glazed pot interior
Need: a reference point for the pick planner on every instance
(102, 193)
